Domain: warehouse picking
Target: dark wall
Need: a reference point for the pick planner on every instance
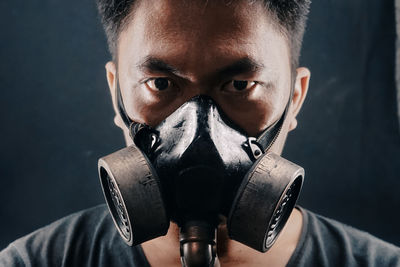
(348, 137)
(56, 116)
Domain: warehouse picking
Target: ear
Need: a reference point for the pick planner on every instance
(299, 94)
(111, 72)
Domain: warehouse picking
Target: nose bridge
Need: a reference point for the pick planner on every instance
(202, 144)
(200, 86)
(200, 128)
(187, 128)
(209, 119)
(203, 106)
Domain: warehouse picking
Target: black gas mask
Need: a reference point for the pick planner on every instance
(199, 169)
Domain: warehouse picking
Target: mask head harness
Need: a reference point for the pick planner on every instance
(194, 168)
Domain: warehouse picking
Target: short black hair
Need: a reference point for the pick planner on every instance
(290, 15)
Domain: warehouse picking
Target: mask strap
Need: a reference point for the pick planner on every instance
(134, 127)
(121, 108)
(268, 137)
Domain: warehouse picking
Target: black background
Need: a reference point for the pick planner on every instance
(56, 116)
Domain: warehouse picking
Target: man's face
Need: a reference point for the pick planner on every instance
(173, 50)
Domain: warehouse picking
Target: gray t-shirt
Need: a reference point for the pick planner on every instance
(89, 238)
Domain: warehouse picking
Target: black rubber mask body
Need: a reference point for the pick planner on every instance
(196, 168)
(200, 158)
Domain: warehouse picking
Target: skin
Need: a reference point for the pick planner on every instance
(196, 44)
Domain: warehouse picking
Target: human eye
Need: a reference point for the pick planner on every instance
(239, 86)
(158, 84)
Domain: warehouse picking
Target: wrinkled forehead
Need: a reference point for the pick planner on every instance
(200, 18)
(201, 32)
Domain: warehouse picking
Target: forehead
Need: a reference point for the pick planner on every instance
(197, 34)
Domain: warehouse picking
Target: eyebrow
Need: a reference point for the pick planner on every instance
(154, 64)
(241, 66)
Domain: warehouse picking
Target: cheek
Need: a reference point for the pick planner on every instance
(143, 106)
(254, 113)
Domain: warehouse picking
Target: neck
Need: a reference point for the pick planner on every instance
(164, 251)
